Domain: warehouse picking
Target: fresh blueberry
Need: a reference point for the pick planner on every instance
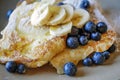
(98, 58)
(85, 4)
(112, 48)
(60, 4)
(11, 66)
(106, 54)
(70, 69)
(87, 62)
(96, 36)
(83, 40)
(21, 69)
(74, 31)
(90, 27)
(72, 42)
(9, 12)
(101, 27)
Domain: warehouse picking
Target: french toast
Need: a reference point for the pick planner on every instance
(32, 38)
(20, 44)
(75, 55)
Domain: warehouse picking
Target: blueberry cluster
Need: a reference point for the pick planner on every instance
(13, 67)
(81, 36)
(99, 57)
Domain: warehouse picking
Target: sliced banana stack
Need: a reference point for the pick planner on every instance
(60, 19)
(80, 17)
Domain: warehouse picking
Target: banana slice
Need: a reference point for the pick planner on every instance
(58, 15)
(69, 13)
(80, 17)
(48, 1)
(61, 30)
(41, 15)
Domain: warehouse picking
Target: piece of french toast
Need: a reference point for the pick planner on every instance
(24, 43)
(75, 55)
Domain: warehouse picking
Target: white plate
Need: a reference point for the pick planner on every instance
(109, 71)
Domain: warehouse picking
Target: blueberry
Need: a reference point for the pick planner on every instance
(9, 12)
(72, 42)
(98, 58)
(101, 27)
(106, 54)
(74, 31)
(11, 66)
(70, 69)
(21, 68)
(87, 62)
(96, 36)
(85, 4)
(60, 4)
(112, 48)
(90, 27)
(83, 40)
